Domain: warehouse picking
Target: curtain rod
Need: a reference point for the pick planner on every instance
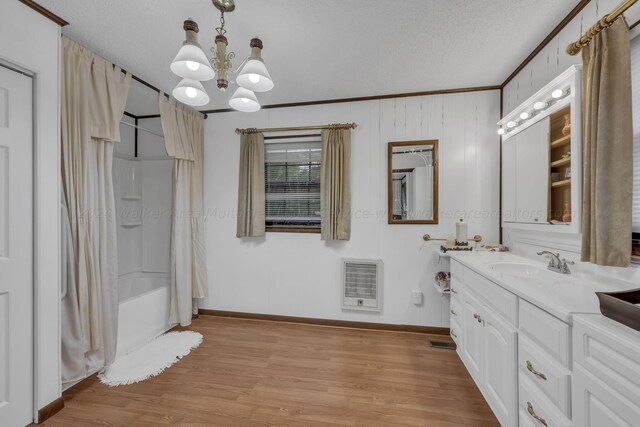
(605, 22)
(152, 87)
(331, 126)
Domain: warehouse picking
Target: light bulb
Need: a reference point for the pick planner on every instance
(511, 125)
(191, 92)
(500, 131)
(524, 115)
(245, 100)
(192, 65)
(254, 78)
(558, 93)
(540, 105)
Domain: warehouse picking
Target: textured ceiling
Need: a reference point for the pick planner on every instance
(322, 49)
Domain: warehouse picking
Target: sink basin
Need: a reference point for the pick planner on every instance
(521, 269)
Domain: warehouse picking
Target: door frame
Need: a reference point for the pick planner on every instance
(34, 205)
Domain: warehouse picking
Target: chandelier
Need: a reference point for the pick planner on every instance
(192, 65)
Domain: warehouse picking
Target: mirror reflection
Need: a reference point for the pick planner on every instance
(413, 183)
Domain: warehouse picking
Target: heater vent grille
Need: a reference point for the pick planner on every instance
(361, 284)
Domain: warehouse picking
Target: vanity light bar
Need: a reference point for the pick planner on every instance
(538, 106)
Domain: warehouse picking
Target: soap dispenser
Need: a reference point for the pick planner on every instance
(461, 232)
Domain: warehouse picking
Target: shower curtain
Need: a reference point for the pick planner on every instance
(184, 137)
(93, 97)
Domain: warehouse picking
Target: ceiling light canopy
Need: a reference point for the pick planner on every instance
(191, 92)
(254, 75)
(193, 66)
(191, 62)
(244, 100)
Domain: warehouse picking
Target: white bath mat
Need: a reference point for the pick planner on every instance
(151, 359)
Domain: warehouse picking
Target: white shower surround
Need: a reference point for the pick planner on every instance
(143, 251)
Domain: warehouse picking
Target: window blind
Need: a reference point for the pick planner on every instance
(292, 183)
(635, 89)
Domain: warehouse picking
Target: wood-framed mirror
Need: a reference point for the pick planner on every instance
(413, 182)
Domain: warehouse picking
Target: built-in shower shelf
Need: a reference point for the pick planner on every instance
(131, 197)
(131, 224)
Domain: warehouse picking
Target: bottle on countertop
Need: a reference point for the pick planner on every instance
(461, 232)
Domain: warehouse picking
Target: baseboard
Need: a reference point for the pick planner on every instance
(431, 330)
(50, 410)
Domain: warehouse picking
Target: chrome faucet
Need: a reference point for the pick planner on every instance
(556, 264)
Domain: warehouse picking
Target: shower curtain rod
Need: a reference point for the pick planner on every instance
(152, 87)
(605, 22)
(142, 128)
(288, 129)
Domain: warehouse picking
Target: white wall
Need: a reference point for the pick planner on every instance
(548, 64)
(298, 274)
(38, 51)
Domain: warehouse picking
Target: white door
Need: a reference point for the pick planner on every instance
(532, 173)
(16, 249)
(499, 356)
(509, 179)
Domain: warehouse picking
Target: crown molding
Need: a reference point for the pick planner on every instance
(44, 12)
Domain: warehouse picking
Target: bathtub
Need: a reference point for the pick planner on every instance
(143, 311)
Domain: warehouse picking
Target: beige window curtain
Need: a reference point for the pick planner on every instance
(335, 184)
(184, 139)
(93, 97)
(251, 197)
(608, 148)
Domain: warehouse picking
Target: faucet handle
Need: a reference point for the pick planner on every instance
(564, 266)
(552, 260)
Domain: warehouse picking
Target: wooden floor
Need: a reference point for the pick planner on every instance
(256, 373)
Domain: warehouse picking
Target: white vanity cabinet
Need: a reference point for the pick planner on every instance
(488, 346)
(606, 374)
(517, 354)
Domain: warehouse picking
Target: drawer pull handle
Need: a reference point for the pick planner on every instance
(453, 312)
(454, 291)
(477, 317)
(534, 415)
(534, 372)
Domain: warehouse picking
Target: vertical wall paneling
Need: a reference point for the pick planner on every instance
(298, 274)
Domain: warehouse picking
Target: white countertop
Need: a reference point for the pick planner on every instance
(559, 294)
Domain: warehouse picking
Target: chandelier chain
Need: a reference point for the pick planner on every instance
(221, 31)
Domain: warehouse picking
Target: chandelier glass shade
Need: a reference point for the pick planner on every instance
(191, 92)
(244, 100)
(254, 75)
(191, 63)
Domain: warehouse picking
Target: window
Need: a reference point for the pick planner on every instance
(292, 185)
(635, 89)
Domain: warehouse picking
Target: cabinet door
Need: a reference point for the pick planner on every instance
(532, 173)
(472, 336)
(509, 179)
(499, 357)
(596, 404)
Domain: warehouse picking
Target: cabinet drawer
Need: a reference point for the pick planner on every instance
(499, 299)
(553, 379)
(457, 271)
(547, 332)
(455, 311)
(456, 289)
(455, 330)
(536, 409)
(610, 354)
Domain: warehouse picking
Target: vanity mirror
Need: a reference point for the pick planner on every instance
(541, 158)
(413, 182)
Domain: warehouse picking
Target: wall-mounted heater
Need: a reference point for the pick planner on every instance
(362, 284)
